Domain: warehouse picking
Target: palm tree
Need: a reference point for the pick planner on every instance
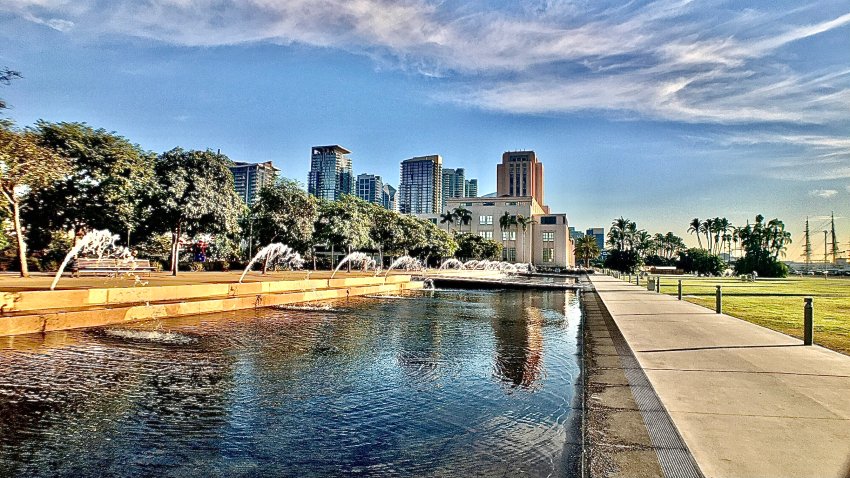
(643, 242)
(463, 215)
(523, 222)
(587, 249)
(622, 231)
(505, 223)
(447, 218)
(695, 227)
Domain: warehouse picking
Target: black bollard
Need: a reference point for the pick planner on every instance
(718, 304)
(808, 322)
(680, 289)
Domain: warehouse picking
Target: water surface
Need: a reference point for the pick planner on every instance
(449, 383)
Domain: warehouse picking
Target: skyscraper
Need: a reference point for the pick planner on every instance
(390, 198)
(599, 234)
(520, 174)
(370, 188)
(470, 188)
(249, 178)
(420, 188)
(453, 185)
(330, 172)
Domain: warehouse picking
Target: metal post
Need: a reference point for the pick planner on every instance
(680, 289)
(637, 279)
(718, 304)
(658, 284)
(808, 322)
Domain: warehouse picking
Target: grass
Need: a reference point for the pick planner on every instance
(778, 304)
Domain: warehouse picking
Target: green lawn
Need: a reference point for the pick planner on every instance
(778, 304)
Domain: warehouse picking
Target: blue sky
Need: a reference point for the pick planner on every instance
(656, 110)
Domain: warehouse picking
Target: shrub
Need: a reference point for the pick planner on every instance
(624, 261)
(700, 261)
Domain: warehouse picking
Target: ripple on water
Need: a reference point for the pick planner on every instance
(464, 383)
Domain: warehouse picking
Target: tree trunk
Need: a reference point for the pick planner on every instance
(175, 250)
(313, 252)
(349, 262)
(333, 264)
(381, 256)
(22, 245)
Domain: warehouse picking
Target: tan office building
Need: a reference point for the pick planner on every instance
(546, 242)
(520, 175)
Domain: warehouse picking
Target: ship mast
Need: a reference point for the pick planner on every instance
(808, 249)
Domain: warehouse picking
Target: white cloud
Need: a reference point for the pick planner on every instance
(672, 60)
(823, 193)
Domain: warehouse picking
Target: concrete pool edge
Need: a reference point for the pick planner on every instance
(206, 299)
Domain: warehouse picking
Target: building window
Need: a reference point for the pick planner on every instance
(486, 234)
(508, 235)
(468, 204)
(549, 220)
(485, 220)
(548, 236)
(548, 254)
(510, 204)
(488, 204)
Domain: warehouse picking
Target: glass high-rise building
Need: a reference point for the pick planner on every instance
(453, 184)
(370, 188)
(420, 188)
(390, 198)
(470, 188)
(330, 172)
(249, 178)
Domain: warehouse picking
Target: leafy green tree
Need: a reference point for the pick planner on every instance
(385, 230)
(628, 261)
(108, 179)
(194, 194)
(587, 249)
(284, 212)
(473, 246)
(343, 224)
(436, 243)
(763, 243)
(26, 168)
(700, 261)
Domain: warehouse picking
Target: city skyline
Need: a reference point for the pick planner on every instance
(657, 111)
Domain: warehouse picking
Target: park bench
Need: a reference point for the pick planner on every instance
(110, 266)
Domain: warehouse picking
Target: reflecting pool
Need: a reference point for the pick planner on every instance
(443, 383)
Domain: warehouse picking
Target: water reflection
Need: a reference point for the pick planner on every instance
(383, 388)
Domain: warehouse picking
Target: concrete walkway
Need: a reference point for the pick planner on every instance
(748, 401)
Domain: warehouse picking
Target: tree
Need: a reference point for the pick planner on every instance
(463, 215)
(437, 242)
(694, 228)
(523, 223)
(473, 246)
(587, 249)
(700, 261)
(625, 261)
(284, 212)
(193, 195)
(6, 77)
(763, 244)
(25, 168)
(108, 179)
(447, 218)
(343, 223)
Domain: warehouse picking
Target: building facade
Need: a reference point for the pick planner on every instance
(453, 184)
(598, 233)
(249, 178)
(545, 243)
(389, 198)
(520, 175)
(370, 188)
(330, 172)
(420, 188)
(470, 188)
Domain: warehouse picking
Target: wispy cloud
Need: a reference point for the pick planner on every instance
(670, 60)
(823, 193)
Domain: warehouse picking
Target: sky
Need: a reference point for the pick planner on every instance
(659, 111)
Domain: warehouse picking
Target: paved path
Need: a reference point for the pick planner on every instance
(748, 401)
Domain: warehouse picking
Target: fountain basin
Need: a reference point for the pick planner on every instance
(43, 311)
